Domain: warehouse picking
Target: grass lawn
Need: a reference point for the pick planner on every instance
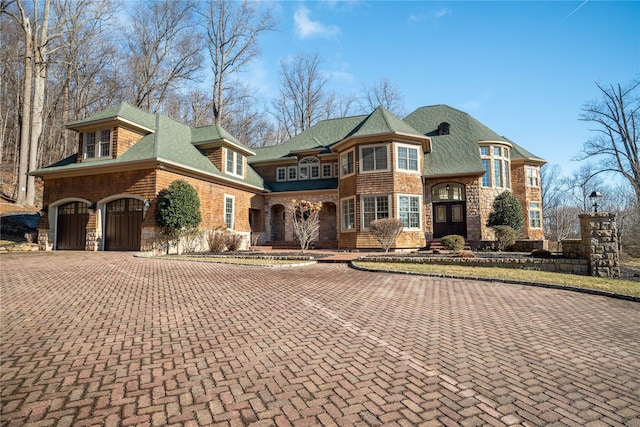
(617, 286)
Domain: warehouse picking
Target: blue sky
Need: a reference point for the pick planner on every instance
(522, 68)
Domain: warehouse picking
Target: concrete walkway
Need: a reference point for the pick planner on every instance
(110, 339)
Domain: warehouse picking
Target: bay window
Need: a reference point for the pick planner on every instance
(409, 211)
(374, 207)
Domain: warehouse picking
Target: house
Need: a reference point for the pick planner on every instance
(438, 170)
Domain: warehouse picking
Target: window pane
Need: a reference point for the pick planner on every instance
(497, 173)
(403, 158)
(228, 212)
(239, 164)
(281, 174)
(441, 214)
(507, 174)
(327, 170)
(229, 161)
(486, 179)
(413, 159)
(346, 163)
(381, 158)
(348, 214)
(456, 213)
(484, 151)
(293, 173)
(496, 151)
(367, 159)
(315, 171)
(304, 172)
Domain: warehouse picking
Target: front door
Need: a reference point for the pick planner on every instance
(123, 228)
(449, 218)
(449, 210)
(72, 223)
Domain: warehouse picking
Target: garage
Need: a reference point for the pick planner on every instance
(123, 225)
(72, 224)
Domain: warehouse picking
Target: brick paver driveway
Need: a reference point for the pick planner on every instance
(109, 339)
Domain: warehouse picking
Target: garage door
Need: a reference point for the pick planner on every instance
(72, 223)
(123, 226)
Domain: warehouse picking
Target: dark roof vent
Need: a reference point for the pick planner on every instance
(443, 128)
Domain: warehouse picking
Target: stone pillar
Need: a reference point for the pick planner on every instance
(599, 236)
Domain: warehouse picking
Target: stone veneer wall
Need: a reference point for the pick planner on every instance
(598, 244)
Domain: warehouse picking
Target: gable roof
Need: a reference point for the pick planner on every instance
(123, 112)
(171, 142)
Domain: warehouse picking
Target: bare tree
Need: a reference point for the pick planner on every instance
(163, 53)
(616, 115)
(303, 99)
(305, 217)
(387, 231)
(232, 37)
(37, 47)
(384, 93)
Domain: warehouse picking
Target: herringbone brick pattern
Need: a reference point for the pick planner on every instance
(109, 339)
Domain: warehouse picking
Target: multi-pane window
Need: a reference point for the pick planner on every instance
(235, 163)
(97, 144)
(373, 158)
(349, 214)
(281, 174)
(407, 158)
(346, 163)
(309, 168)
(535, 215)
(374, 207)
(228, 211)
(496, 164)
(292, 173)
(409, 211)
(533, 177)
(327, 170)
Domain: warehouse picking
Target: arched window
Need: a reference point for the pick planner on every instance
(447, 192)
(309, 168)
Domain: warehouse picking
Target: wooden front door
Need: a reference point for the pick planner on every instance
(449, 218)
(72, 224)
(123, 228)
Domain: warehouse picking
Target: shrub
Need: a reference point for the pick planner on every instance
(506, 211)
(191, 241)
(178, 210)
(233, 241)
(216, 240)
(452, 242)
(386, 231)
(505, 236)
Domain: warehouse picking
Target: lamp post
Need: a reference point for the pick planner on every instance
(594, 196)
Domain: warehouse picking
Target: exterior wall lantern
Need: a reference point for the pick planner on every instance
(92, 208)
(594, 196)
(145, 208)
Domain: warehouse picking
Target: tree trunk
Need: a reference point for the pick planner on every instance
(25, 122)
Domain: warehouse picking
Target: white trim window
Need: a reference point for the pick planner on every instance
(533, 176)
(347, 162)
(374, 158)
(497, 167)
(281, 174)
(235, 163)
(292, 173)
(97, 144)
(372, 208)
(409, 210)
(309, 168)
(535, 215)
(229, 211)
(407, 158)
(327, 170)
(348, 209)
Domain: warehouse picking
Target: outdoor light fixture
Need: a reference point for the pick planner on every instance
(92, 208)
(145, 207)
(44, 210)
(447, 188)
(594, 196)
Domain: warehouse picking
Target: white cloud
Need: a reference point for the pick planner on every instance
(431, 16)
(306, 28)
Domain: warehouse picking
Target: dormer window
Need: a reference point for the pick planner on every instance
(97, 144)
(235, 163)
(443, 128)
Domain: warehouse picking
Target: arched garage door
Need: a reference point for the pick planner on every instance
(72, 224)
(123, 226)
